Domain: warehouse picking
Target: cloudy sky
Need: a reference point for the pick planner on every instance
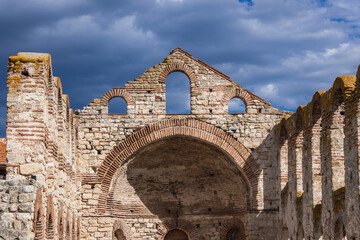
(282, 50)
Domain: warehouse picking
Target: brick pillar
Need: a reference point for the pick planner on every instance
(332, 160)
(294, 159)
(311, 173)
(351, 156)
(27, 84)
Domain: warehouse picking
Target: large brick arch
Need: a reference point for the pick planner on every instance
(186, 127)
(117, 92)
(177, 67)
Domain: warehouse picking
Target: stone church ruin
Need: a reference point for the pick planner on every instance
(210, 174)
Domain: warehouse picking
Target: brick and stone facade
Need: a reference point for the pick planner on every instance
(146, 174)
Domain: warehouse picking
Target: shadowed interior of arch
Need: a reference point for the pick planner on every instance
(117, 105)
(236, 105)
(177, 93)
(176, 234)
(178, 176)
(119, 235)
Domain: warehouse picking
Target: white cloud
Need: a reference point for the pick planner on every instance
(283, 50)
(268, 91)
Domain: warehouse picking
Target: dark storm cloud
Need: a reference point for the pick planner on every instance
(281, 50)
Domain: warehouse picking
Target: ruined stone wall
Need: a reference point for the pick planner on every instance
(209, 174)
(210, 90)
(39, 195)
(321, 197)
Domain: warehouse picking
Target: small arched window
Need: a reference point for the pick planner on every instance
(176, 234)
(236, 105)
(177, 93)
(117, 105)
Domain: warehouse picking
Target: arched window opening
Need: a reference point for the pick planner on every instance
(177, 93)
(119, 235)
(236, 105)
(117, 105)
(176, 234)
(234, 234)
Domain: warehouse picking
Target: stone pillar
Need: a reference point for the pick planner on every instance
(332, 159)
(294, 157)
(27, 113)
(311, 170)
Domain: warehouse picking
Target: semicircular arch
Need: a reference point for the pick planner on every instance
(117, 92)
(240, 94)
(186, 127)
(177, 67)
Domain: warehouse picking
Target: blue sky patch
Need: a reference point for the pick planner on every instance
(249, 2)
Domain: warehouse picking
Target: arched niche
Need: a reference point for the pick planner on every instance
(119, 235)
(157, 132)
(234, 233)
(117, 105)
(236, 105)
(177, 93)
(179, 176)
(176, 234)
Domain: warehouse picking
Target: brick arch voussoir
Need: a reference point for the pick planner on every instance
(117, 92)
(238, 93)
(186, 127)
(177, 67)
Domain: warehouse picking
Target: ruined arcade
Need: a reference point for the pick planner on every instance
(146, 174)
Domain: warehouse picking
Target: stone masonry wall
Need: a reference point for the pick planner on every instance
(327, 204)
(40, 153)
(209, 174)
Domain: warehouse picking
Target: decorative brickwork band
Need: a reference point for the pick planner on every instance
(117, 92)
(186, 127)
